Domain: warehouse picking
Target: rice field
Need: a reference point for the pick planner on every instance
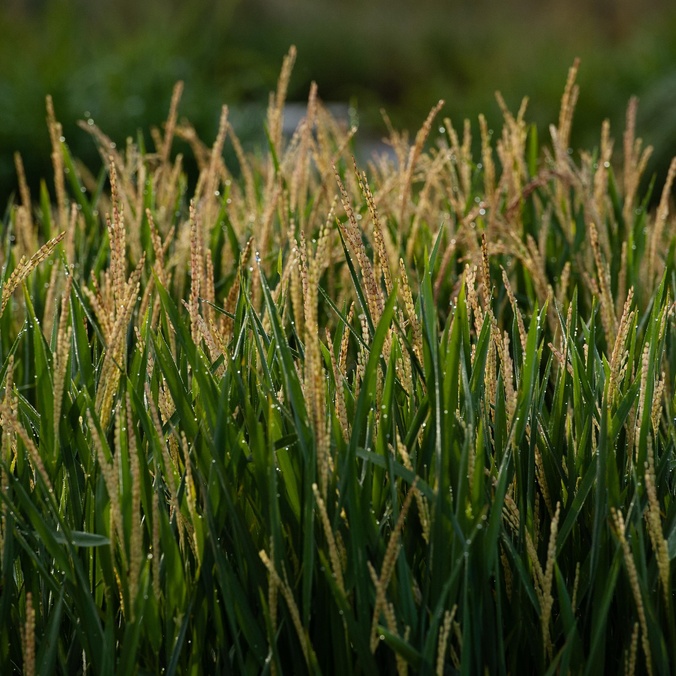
(307, 416)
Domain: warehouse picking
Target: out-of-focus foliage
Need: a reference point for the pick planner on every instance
(118, 62)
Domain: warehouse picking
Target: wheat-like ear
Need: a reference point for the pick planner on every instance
(378, 239)
(24, 191)
(63, 339)
(10, 420)
(487, 159)
(547, 600)
(389, 559)
(416, 328)
(136, 539)
(56, 138)
(632, 573)
(635, 160)
(276, 107)
(283, 586)
(601, 174)
(25, 267)
(568, 102)
(28, 638)
(196, 270)
(618, 357)
(654, 524)
(353, 236)
(215, 171)
(170, 126)
(660, 222)
(414, 154)
(444, 632)
(336, 566)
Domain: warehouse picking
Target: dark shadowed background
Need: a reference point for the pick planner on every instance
(117, 60)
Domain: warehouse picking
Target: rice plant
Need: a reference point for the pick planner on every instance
(309, 417)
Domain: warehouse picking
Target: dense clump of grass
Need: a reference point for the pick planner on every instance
(314, 419)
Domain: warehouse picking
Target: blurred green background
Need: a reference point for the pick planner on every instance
(117, 61)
